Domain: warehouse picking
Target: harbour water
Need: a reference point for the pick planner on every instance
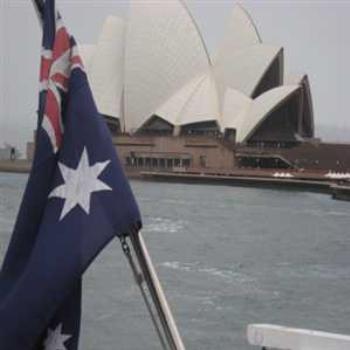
(227, 256)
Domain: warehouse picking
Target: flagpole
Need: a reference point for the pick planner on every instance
(155, 288)
(139, 280)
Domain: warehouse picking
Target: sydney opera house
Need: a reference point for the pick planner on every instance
(169, 104)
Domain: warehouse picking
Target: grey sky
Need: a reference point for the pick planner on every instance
(314, 34)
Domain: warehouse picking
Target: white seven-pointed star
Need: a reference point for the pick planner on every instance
(55, 339)
(79, 184)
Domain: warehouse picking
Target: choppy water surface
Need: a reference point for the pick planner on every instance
(227, 256)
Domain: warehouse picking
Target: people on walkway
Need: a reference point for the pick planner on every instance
(13, 154)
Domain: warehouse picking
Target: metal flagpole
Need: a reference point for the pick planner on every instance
(139, 280)
(155, 288)
(169, 333)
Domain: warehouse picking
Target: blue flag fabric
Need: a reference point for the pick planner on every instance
(76, 200)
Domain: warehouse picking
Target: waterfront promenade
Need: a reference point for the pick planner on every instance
(15, 166)
(298, 180)
(260, 178)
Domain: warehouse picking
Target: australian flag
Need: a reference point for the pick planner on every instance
(76, 200)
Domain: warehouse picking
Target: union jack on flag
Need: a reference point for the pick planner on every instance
(76, 200)
(59, 57)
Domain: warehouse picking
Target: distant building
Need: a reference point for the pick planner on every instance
(169, 105)
(153, 75)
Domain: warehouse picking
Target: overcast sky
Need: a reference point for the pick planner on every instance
(314, 34)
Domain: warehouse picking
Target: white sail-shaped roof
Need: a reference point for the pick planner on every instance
(164, 52)
(158, 65)
(196, 102)
(240, 33)
(235, 108)
(203, 105)
(107, 68)
(243, 62)
(308, 127)
(171, 109)
(244, 70)
(261, 108)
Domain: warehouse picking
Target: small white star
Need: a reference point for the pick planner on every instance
(79, 184)
(55, 339)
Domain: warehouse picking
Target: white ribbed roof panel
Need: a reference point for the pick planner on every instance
(107, 67)
(172, 108)
(203, 104)
(244, 70)
(308, 111)
(240, 33)
(262, 106)
(164, 52)
(235, 109)
(196, 102)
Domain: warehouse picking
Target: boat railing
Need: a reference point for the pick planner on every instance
(274, 337)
